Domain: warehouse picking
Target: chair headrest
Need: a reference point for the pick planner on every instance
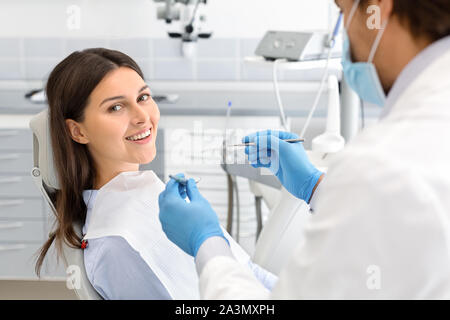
(42, 149)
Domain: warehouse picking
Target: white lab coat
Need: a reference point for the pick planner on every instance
(381, 228)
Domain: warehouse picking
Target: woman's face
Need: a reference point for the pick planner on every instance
(119, 107)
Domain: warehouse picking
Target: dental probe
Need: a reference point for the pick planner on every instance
(253, 144)
(181, 180)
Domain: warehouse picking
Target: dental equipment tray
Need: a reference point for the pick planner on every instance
(251, 173)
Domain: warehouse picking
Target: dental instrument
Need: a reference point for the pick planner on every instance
(182, 181)
(253, 144)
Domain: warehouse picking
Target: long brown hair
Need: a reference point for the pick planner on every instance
(68, 89)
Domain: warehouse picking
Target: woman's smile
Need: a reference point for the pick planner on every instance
(142, 138)
(140, 135)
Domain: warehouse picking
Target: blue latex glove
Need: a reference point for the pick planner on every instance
(287, 161)
(187, 224)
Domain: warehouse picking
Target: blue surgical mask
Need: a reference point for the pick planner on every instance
(362, 77)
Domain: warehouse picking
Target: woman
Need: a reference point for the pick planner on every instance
(103, 122)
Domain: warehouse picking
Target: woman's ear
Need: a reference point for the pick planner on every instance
(76, 131)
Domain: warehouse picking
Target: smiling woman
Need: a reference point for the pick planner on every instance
(103, 122)
(119, 108)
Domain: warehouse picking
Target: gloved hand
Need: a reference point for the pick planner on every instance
(287, 161)
(187, 224)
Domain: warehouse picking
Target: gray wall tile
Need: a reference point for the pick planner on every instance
(176, 69)
(215, 59)
(167, 48)
(250, 71)
(9, 48)
(146, 66)
(217, 48)
(74, 44)
(303, 75)
(217, 70)
(248, 47)
(136, 48)
(43, 48)
(10, 69)
(39, 69)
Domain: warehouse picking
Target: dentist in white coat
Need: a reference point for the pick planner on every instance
(381, 223)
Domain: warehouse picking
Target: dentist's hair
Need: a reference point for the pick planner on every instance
(68, 90)
(424, 18)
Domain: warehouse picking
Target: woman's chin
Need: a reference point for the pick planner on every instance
(148, 157)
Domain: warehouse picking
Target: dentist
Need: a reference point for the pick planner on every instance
(381, 223)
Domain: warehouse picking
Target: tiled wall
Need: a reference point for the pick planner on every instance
(160, 59)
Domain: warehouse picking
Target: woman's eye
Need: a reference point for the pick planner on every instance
(113, 108)
(144, 97)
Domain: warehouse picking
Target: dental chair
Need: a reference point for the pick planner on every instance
(43, 174)
(285, 222)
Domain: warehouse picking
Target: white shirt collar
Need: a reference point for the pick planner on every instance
(413, 69)
(89, 199)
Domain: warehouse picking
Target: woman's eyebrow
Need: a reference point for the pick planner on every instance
(143, 88)
(122, 97)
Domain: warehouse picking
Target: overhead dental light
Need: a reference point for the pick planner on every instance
(192, 22)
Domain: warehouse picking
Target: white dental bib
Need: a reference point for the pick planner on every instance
(127, 206)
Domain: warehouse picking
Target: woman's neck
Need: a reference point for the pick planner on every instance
(104, 176)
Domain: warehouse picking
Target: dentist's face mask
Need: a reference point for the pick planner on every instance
(362, 77)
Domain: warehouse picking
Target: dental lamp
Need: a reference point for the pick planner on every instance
(192, 22)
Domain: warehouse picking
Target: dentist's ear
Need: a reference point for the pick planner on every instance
(76, 132)
(378, 11)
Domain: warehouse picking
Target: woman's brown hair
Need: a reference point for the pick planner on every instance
(68, 88)
(424, 18)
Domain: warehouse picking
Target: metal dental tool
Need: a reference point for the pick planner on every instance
(182, 180)
(253, 144)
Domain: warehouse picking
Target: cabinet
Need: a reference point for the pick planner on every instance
(23, 223)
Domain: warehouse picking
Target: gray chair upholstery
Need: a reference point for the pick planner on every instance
(44, 176)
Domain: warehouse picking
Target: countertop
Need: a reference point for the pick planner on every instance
(195, 98)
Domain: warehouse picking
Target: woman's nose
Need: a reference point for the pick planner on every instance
(139, 114)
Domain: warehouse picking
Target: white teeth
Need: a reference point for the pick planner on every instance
(140, 136)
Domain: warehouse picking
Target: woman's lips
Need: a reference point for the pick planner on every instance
(140, 132)
(143, 141)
